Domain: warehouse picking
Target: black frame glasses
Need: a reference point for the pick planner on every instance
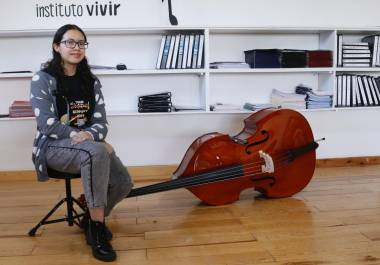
(71, 44)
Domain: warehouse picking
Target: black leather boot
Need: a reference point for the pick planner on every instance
(101, 247)
(84, 222)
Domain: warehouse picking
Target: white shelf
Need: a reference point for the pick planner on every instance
(149, 71)
(272, 70)
(16, 75)
(357, 69)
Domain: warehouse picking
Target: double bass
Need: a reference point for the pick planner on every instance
(274, 154)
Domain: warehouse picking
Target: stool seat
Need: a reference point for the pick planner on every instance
(54, 174)
(72, 216)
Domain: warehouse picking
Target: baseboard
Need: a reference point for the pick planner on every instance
(163, 172)
(349, 161)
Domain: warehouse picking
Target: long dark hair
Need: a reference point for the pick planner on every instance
(54, 66)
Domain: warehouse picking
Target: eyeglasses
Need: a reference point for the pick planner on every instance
(72, 43)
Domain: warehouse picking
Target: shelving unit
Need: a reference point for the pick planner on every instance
(138, 49)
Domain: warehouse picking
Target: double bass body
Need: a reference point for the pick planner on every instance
(274, 154)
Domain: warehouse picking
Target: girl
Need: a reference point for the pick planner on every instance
(71, 129)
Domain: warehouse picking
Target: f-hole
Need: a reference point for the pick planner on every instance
(266, 137)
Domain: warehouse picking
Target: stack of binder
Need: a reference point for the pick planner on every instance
(21, 108)
(160, 102)
(181, 51)
(353, 54)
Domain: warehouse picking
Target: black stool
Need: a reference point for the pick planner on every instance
(72, 216)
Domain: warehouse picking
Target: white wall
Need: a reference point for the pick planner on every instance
(163, 139)
(21, 14)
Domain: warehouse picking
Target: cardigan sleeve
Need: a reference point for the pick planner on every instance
(43, 106)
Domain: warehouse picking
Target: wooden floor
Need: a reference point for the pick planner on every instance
(335, 220)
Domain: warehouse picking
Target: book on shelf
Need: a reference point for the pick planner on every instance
(257, 106)
(21, 108)
(219, 106)
(186, 108)
(228, 65)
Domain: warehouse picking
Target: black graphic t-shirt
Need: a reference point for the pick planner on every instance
(74, 108)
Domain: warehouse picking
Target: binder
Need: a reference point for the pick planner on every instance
(200, 51)
(190, 52)
(371, 100)
(154, 104)
(195, 52)
(337, 89)
(165, 52)
(158, 96)
(170, 55)
(340, 50)
(348, 93)
(180, 51)
(185, 51)
(373, 92)
(354, 90)
(175, 52)
(344, 91)
(376, 88)
(363, 96)
(159, 58)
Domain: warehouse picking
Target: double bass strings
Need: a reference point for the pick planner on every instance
(243, 170)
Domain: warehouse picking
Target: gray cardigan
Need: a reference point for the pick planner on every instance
(49, 127)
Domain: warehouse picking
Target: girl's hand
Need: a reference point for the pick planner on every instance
(81, 137)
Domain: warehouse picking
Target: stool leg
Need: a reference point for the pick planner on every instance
(33, 231)
(69, 202)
